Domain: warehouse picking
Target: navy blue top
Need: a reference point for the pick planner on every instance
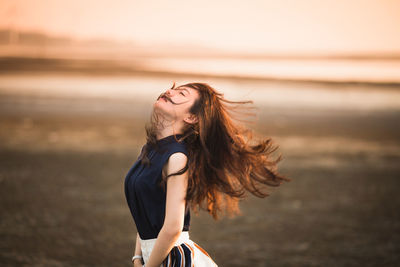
(145, 195)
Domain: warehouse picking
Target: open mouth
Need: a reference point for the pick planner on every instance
(165, 98)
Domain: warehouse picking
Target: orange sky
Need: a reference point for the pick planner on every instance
(257, 25)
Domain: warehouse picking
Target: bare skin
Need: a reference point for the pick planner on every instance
(174, 107)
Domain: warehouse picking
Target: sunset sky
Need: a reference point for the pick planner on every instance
(357, 26)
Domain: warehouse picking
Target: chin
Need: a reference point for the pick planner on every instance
(158, 106)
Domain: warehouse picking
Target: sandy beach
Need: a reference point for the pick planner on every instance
(64, 158)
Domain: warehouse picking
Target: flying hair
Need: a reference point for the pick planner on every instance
(225, 160)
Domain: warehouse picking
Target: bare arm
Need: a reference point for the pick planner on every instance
(138, 251)
(174, 210)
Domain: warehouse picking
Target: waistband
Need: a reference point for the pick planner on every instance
(148, 244)
(183, 237)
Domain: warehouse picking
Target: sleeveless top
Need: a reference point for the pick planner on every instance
(145, 195)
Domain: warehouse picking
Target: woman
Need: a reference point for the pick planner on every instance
(194, 153)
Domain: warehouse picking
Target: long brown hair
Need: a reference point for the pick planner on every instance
(224, 159)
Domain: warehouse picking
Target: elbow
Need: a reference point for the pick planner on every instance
(172, 230)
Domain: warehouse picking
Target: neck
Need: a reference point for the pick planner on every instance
(165, 127)
(165, 131)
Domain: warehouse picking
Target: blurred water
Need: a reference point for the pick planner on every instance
(364, 70)
(145, 89)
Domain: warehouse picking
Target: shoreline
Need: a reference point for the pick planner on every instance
(138, 67)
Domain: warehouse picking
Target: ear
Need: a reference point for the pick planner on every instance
(191, 119)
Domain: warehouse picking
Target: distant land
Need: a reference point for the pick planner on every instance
(38, 44)
(37, 52)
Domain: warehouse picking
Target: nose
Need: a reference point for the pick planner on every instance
(169, 92)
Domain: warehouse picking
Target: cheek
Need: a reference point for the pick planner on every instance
(184, 110)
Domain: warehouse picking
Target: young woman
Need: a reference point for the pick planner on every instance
(195, 157)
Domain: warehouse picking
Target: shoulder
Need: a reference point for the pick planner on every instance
(177, 147)
(176, 162)
(177, 158)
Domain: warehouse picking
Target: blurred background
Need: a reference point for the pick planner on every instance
(77, 83)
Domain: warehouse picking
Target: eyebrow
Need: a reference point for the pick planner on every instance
(183, 89)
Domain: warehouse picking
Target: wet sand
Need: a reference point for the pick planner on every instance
(63, 164)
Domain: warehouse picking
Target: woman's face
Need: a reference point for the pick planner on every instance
(174, 104)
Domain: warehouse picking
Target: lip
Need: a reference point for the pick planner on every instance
(164, 98)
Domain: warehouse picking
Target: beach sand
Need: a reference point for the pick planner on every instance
(63, 162)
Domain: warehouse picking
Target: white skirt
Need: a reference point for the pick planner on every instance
(185, 253)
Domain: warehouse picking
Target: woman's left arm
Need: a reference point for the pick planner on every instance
(174, 210)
